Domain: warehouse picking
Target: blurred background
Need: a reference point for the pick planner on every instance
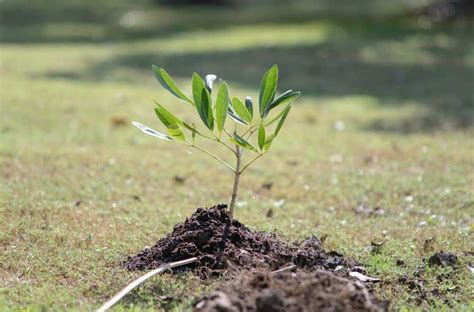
(393, 50)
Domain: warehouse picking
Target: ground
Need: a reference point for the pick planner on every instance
(385, 121)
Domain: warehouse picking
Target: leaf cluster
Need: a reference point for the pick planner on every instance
(266, 120)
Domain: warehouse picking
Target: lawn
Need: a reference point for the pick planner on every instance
(385, 120)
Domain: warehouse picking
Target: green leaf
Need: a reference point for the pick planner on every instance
(232, 114)
(286, 97)
(241, 110)
(268, 142)
(237, 139)
(249, 105)
(170, 121)
(197, 85)
(282, 119)
(276, 118)
(206, 108)
(267, 88)
(168, 83)
(261, 137)
(222, 105)
(152, 132)
(202, 99)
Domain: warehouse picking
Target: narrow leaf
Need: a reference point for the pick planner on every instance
(249, 105)
(170, 121)
(267, 88)
(282, 119)
(268, 142)
(207, 108)
(168, 83)
(241, 110)
(202, 100)
(261, 137)
(286, 97)
(237, 139)
(197, 85)
(222, 105)
(234, 116)
(151, 132)
(276, 118)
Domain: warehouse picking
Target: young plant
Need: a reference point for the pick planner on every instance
(246, 121)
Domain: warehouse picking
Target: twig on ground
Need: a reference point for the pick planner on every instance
(140, 280)
(288, 268)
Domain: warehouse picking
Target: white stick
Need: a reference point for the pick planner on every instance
(288, 268)
(140, 280)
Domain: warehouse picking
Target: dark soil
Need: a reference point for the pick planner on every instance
(286, 291)
(443, 259)
(222, 243)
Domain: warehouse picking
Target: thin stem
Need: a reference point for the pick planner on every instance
(215, 157)
(249, 129)
(236, 180)
(251, 162)
(203, 135)
(228, 147)
(227, 132)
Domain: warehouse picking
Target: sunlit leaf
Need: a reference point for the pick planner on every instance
(282, 119)
(202, 99)
(268, 87)
(233, 115)
(197, 85)
(222, 105)
(286, 97)
(151, 132)
(236, 139)
(168, 83)
(261, 137)
(241, 110)
(170, 121)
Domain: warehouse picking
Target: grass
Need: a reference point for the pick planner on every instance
(385, 120)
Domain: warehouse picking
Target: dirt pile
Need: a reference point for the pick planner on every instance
(221, 242)
(286, 291)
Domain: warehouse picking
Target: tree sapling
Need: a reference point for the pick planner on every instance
(266, 124)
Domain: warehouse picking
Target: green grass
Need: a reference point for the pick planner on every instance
(79, 194)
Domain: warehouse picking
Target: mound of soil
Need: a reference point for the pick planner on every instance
(302, 291)
(221, 242)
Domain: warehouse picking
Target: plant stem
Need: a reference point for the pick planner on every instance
(238, 154)
(216, 158)
(251, 162)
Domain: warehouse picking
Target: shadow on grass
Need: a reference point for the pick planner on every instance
(442, 85)
(81, 21)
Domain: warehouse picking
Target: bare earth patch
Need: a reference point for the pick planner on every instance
(302, 291)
